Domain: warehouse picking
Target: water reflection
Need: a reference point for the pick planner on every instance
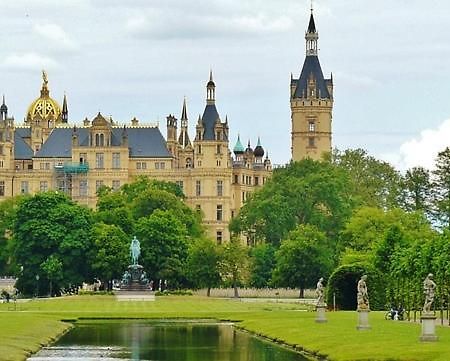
(162, 342)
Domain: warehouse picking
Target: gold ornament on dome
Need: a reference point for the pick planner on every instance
(44, 107)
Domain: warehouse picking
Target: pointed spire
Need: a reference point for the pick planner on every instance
(184, 112)
(238, 148)
(210, 89)
(259, 142)
(3, 110)
(311, 36)
(65, 111)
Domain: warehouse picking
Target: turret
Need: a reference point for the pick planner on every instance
(183, 139)
(3, 110)
(65, 111)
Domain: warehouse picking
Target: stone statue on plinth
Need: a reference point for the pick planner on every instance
(428, 319)
(363, 294)
(429, 289)
(320, 289)
(363, 304)
(320, 305)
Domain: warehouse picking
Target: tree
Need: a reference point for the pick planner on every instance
(8, 209)
(49, 224)
(52, 268)
(262, 264)
(110, 254)
(164, 245)
(441, 187)
(368, 226)
(374, 183)
(305, 192)
(303, 257)
(234, 264)
(416, 190)
(203, 264)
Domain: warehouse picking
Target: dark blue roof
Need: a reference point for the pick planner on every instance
(58, 144)
(311, 65)
(21, 149)
(312, 25)
(23, 132)
(142, 142)
(145, 142)
(210, 116)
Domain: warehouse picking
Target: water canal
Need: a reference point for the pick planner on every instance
(162, 341)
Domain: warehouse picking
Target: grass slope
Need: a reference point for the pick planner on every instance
(37, 322)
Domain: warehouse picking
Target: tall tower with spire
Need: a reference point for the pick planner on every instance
(311, 104)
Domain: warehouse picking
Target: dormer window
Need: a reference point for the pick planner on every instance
(99, 140)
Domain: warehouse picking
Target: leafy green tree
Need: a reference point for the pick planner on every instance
(203, 264)
(262, 264)
(113, 209)
(305, 192)
(8, 209)
(49, 224)
(110, 254)
(234, 264)
(441, 187)
(303, 257)
(164, 246)
(52, 268)
(368, 226)
(374, 183)
(416, 190)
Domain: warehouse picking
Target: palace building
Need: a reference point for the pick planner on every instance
(46, 152)
(311, 104)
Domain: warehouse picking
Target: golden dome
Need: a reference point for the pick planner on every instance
(44, 107)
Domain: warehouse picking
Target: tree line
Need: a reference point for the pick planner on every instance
(346, 214)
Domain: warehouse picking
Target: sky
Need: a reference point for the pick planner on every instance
(389, 59)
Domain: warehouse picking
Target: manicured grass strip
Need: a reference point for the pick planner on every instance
(21, 335)
(338, 339)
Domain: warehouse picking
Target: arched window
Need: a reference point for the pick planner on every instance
(188, 163)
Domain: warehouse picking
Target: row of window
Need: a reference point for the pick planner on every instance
(248, 180)
(219, 211)
(198, 188)
(61, 186)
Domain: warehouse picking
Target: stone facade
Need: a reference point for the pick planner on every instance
(46, 153)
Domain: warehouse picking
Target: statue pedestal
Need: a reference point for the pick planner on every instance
(428, 328)
(320, 313)
(363, 319)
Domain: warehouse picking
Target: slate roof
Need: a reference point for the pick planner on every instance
(209, 118)
(21, 149)
(312, 66)
(312, 25)
(142, 142)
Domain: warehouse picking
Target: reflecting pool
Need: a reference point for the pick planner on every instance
(162, 341)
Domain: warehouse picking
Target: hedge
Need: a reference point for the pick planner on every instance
(343, 283)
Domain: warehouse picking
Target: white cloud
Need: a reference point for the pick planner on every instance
(29, 61)
(156, 24)
(423, 150)
(56, 35)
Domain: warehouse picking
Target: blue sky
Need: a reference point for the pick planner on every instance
(140, 58)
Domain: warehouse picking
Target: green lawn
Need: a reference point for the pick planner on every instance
(38, 322)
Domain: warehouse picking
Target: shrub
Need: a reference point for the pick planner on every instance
(343, 283)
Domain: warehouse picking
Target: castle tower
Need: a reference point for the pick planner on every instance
(185, 149)
(311, 104)
(172, 135)
(211, 140)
